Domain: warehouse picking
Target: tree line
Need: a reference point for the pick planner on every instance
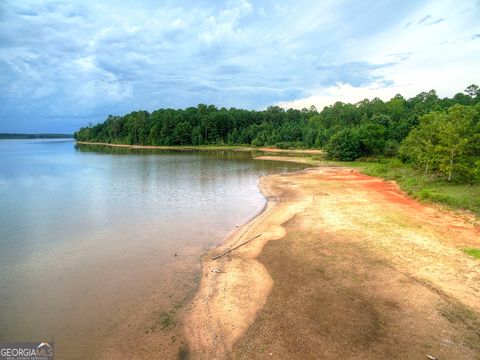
(439, 134)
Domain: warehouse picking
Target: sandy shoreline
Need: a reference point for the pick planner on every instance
(208, 147)
(336, 265)
(217, 317)
(395, 262)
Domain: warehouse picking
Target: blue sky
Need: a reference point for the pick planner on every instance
(65, 64)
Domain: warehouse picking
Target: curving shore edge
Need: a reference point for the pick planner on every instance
(208, 147)
(338, 252)
(235, 286)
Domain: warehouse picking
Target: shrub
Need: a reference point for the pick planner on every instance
(344, 145)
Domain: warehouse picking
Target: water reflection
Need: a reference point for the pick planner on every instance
(86, 232)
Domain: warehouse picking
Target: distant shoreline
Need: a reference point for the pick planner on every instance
(20, 136)
(209, 147)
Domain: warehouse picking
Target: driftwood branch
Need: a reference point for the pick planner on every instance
(234, 248)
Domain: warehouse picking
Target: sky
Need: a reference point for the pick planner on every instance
(67, 64)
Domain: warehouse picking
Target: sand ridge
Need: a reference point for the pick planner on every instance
(228, 300)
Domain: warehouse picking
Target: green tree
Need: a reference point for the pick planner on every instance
(447, 142)
(439, 135)
(182, 134)
(473, 90)
(455, 141)
(344, 145)
(419, 146)
(372, 138)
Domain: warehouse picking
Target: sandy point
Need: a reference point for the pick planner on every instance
(339, 264)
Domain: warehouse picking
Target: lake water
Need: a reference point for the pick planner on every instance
(93, 238)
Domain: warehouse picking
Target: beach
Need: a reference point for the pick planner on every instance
(208, 180)
(339, 265)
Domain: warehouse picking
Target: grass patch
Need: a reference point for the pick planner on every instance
(355, 164)
(167, 320)
(430, 188)
(164, 320)
(472, 252)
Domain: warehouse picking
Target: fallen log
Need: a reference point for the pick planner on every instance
(234, 248)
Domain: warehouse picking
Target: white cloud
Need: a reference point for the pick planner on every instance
(345, 93)
(92, 58)
(425, 54)
(85, 64)
(225, 25)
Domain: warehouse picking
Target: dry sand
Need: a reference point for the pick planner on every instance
(346, 267)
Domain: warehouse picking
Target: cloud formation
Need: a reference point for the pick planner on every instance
(64, 64)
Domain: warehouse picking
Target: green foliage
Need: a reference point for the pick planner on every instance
(344, 145)
(206, 125)
(472, 252)
(437, 135)
(372, 137)
(447, 142)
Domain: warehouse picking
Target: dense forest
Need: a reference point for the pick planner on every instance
(441, 135)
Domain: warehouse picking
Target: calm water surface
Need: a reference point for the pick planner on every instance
(87, 233)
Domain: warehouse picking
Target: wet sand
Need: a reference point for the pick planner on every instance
(339, 265)
(101, 249)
